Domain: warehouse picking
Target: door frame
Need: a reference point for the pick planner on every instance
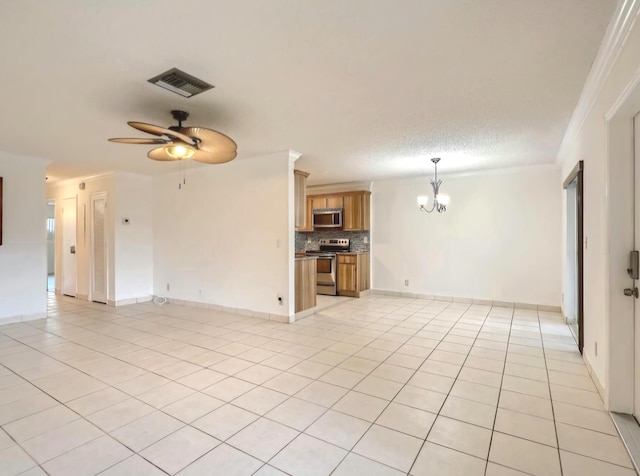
(63, 254)
(93, 197)
(619, 240)
(51, 249)
(577, 174)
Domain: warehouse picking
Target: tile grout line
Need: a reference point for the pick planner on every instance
(504, 366)
(362, 324)
(454, 381)
(403, 386)
(299, 432)
(553, 411)
(389, 402)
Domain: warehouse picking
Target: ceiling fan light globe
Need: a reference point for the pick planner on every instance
(179, 151)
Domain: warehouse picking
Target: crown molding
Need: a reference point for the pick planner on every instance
(86, 178)
(294, 155)
(624, 96)
(610, 48)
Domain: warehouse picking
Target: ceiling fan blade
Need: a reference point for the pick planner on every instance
(210, 140)
(160, 131)
(132, 140)
(206, 157)
(159, 154)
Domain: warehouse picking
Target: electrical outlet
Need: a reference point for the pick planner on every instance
(406, 282)
(596, 349)
(365, 240)
(168, 287)
(201, 291)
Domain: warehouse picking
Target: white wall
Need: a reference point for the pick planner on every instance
(499, 239)
(133, 241)
(129, 247)
(608, 223)
(58, 191)
(23, 254)
(216, 240)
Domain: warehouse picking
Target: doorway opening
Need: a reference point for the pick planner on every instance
(573, 300)
(51, 246)
(69, 233)
(99, 266)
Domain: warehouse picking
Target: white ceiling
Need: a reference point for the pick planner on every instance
(364, 89)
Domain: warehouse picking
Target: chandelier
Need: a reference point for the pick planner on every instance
(440, 201)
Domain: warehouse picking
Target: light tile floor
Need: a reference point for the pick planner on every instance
(374, 386)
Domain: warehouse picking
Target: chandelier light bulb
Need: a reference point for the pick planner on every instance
(443, 199)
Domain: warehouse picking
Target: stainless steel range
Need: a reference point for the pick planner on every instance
(327, 277)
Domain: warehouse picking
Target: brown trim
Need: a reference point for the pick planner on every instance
(0, 211)
(573, 174)
(577, 174)
(336, 194)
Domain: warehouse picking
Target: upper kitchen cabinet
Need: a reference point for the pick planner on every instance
(326, 201)
(300, 200)
(357, 211)
(335, 201)
(318, 202)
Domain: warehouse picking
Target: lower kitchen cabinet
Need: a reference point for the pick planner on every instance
(353, 274)
(305, 277)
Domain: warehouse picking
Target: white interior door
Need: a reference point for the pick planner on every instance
(99, 274)
(69, 269)
(636, 140)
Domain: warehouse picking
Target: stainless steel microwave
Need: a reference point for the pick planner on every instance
(327, 218)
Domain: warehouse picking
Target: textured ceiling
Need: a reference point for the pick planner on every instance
(364, 89)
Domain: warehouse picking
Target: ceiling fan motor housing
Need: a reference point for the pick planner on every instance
(180, 116)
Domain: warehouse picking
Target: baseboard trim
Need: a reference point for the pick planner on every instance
(469, 300)
(596, 380)
(317, 309)
(629, 431)
(22, 318)
(230, 310)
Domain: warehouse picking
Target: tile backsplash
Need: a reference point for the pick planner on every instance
(310, 241)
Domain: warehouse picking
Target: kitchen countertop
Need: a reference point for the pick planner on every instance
(300, 257)
(338, 253)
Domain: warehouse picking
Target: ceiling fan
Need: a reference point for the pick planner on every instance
(180, 143)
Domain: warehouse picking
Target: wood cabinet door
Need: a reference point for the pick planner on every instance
(364, 272)
(318, 203)
(352, 217)
(300, 205)
(347, 278)
(335, 201)
(308, 224)
(366, 211)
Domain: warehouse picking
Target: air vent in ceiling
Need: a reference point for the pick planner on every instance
(180, 83)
